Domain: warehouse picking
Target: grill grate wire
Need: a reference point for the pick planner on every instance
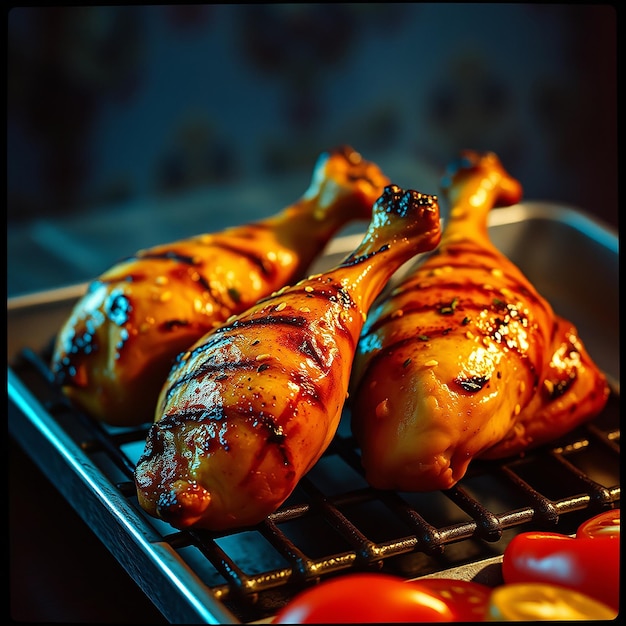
(418, 535)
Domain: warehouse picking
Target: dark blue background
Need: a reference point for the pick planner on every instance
(115, 110)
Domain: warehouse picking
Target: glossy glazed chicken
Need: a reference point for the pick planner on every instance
(464, 358)
(250, 408)
(114, 352)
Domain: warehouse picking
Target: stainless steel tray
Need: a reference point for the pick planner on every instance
(334, 523)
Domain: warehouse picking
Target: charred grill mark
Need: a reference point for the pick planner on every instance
(335, 293)
(197, 278)
(211, 341)
(390, 348)
(195, 415)
(308, 389)
(471, 384)
(269, 320)
(416, 295)
(167, 255)
(223, 334)
(308, 349)
(205, 285)
(298, 339)
(196, 262)
(331, 292)
(355, 177)
(355, 259)
(274, 439)
(266, 268)
(362, 171)
(425, 284)
(170, 325)
(274, 436)
(269, 424)
(180, 273)
(208, 367)
(449, 309)
(358, 168)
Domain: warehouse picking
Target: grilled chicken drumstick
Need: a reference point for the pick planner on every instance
(465, 359)
(249, 409)
(114, 352)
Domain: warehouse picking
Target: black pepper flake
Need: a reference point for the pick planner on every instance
(406, 363)
(448, 309)
(262, 367)
(472, 383)
(234, 294)
(465, 321)
(256, 341)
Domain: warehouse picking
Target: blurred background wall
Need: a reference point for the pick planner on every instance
(109, 104)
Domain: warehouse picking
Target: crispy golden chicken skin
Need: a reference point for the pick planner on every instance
(249, 408)
(464, 358)
(114, 352)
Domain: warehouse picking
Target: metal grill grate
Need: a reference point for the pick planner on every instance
(335, 523)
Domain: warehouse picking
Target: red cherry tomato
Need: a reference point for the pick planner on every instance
(468, 601)
(589, 566)
(605, 524)
(365, 598)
